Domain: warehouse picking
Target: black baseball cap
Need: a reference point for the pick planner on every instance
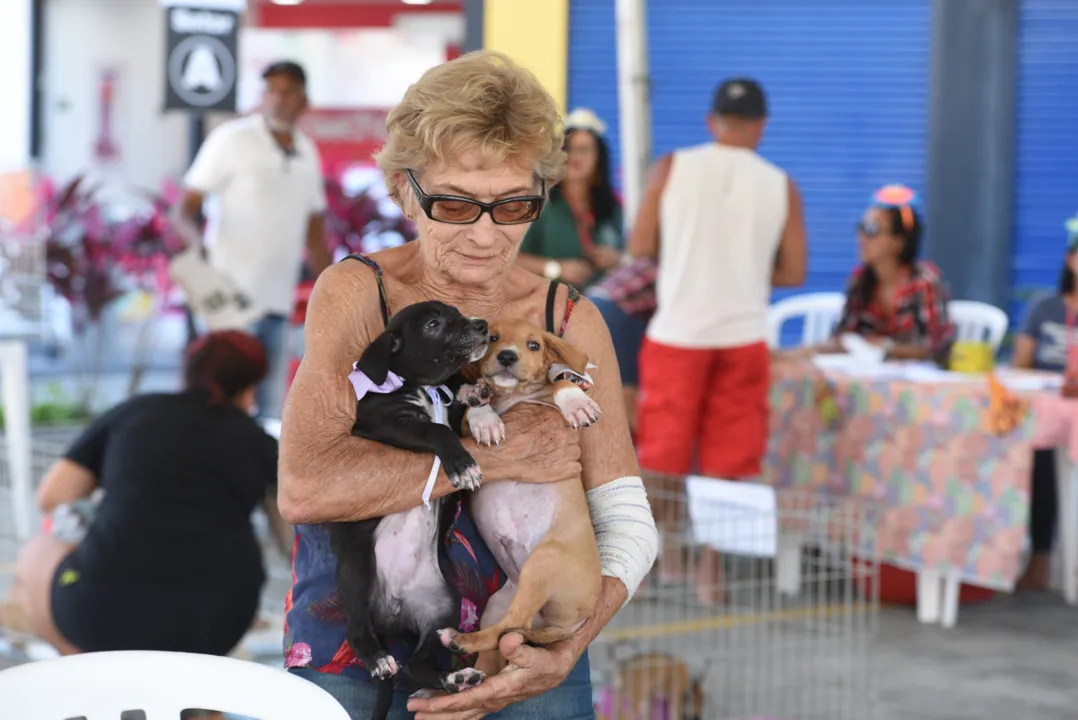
(740, 97)
(287, 68)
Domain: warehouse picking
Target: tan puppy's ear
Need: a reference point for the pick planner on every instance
(472, 371)
(559, 351)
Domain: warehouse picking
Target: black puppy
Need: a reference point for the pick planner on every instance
(394, 576)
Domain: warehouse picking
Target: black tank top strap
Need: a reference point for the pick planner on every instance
(551, 297)
(383, 299)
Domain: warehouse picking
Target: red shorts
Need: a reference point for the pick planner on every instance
(711, 403)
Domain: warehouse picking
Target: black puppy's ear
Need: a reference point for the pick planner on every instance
(374, 362)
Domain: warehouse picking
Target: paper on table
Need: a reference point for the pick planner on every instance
(927, 372)
(862, 349)
(733, 517)
(1019, 379)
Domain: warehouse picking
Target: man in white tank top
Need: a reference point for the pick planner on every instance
(726, 226)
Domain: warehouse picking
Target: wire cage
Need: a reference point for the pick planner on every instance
(23, 234)
(763, 605)
(48, 445)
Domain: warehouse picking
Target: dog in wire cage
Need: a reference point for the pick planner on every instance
(650, 686)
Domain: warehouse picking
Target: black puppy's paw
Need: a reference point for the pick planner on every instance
(461, 680)
(382, 667)
(463, 471)
(475, 395)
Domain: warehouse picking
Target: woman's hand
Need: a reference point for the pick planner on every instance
(604, 257)
(539, 447)
(530, 672)
(576, 272)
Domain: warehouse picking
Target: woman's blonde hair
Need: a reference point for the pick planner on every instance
(480, 100)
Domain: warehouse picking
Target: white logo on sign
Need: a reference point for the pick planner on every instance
(201, 70)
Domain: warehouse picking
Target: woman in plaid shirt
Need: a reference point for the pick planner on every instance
(894, 298)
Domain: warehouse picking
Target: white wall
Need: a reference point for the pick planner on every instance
(15, 57)
(84, 38)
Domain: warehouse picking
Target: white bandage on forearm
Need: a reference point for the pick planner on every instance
(624, 530)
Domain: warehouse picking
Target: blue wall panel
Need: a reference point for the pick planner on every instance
(593, 67)
(1046, 182)
(847, 84)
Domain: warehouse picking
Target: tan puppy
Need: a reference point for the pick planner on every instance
(541, 535)
(651, 677)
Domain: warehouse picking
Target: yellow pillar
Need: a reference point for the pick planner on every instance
(534, 33)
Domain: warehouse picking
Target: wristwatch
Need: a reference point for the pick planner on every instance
(552, 270)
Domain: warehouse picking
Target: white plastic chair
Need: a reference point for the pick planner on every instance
(99, 686)
(821, 312)
(974, 320)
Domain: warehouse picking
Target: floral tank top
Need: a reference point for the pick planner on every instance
(314, 629)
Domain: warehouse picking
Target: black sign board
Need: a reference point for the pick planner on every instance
(200, 60)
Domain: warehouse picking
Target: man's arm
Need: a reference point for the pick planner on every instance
(186, 218)
(644, 238)
(209, 174)
(318, 254)
(791, 260)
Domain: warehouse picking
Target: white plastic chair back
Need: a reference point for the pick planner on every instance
(978, 322)
(820, 311)
(100, 686)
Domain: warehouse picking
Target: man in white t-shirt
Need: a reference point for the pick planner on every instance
(264, 180)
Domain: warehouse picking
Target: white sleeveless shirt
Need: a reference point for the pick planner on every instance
(722, 216)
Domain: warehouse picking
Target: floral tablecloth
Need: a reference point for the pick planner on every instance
(956, 497)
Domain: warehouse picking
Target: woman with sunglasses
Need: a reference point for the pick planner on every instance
(470, 153)
(1047, 338)
(579, 236)
(893, 298)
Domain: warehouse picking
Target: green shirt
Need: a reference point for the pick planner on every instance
(554, 234)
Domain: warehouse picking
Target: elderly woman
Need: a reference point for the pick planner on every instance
(470, 153)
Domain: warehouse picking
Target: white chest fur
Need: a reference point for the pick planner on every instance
(513, 518)
(411, 589)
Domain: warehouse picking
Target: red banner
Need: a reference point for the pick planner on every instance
(345, 137)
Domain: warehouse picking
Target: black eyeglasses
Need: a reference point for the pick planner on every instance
(456, 210)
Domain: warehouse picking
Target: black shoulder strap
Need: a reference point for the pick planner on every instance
(551, 297)
(382, 299)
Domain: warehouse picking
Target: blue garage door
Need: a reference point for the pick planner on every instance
(1046, 190)
(593, 67)
(847, 83)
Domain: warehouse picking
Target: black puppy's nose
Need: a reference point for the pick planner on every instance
(480, 326)
(507, 358)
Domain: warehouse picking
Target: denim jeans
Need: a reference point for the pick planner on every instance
(572, 700)
(626, 331)
(270, 330)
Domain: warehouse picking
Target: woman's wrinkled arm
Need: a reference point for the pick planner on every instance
(324, 473)
(607, 456)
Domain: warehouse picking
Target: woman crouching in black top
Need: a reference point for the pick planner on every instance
(170, 560)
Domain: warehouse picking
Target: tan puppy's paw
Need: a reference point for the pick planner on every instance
(576, 407)
(476, 395)
(485, 425)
